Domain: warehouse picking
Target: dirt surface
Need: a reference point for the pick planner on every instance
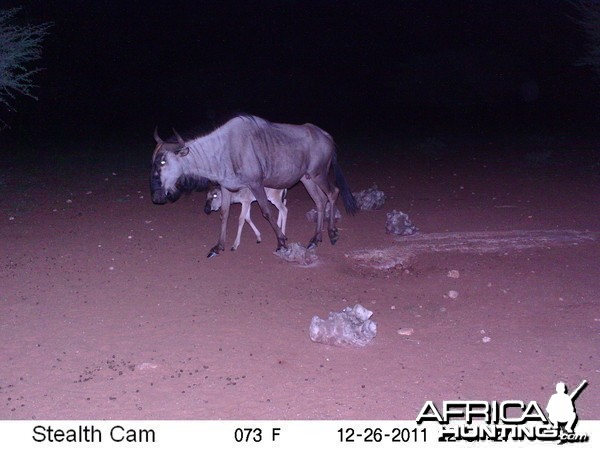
(109, 308)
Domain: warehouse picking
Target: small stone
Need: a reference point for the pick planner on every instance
(146, 366)
(486, 339)
(453, 294)
(453, 273)
(406, 331)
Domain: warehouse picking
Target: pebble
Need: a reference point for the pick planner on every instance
(147, 366)
(406, 331)
(453, 273)
(453, 294)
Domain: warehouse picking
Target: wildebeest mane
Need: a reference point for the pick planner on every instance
(205, 129)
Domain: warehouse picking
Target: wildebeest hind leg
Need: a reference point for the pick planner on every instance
(331, 191)
(320, 201)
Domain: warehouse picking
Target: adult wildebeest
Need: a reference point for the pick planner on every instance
(245, 197)
(250, 152)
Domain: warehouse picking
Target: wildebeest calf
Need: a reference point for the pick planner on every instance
(245, 197)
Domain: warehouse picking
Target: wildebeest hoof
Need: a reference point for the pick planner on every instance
(311, 245)
(214, 251)
(334, 235)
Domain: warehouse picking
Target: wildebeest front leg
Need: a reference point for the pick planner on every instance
(261, 198)
(225, 204)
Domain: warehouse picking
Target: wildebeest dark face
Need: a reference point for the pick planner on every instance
(167, 170)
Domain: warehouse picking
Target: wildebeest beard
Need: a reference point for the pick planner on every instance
(187, 183)
(184, 185)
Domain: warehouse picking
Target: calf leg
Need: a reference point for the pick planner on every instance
(261, 198)
(241, 219)
(282, 215)
(256, 230)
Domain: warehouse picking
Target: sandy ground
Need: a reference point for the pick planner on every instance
(109, 308)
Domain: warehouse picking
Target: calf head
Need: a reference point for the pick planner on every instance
(213, 200)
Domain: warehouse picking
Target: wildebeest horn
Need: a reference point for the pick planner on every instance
(179, 138)
(156, 137)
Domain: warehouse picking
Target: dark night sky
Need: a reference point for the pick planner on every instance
(120, 68)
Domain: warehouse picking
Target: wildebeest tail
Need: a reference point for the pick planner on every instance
(342, 184)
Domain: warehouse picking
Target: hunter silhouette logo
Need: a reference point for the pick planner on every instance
(561, 406)
(508, 420)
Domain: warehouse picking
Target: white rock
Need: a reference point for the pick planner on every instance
(406, 331)
(453, 294)
(453, 273)
(147, 366)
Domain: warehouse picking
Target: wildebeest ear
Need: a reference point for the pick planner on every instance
(183, 151)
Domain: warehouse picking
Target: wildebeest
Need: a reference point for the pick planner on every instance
(245, 197)
(250, 152)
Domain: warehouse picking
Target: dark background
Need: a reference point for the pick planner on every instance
(117, 69)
